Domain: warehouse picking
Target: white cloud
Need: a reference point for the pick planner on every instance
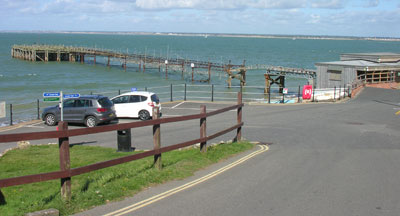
(314, 19)
(329, 4)
(371, 3)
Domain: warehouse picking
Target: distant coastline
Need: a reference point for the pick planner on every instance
(293, 37)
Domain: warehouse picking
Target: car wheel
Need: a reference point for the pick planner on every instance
(50, 120)
(90, 121)
(144, 115)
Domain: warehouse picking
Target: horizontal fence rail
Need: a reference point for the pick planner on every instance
(65, 173)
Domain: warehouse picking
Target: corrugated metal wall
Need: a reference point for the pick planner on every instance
(348, 75)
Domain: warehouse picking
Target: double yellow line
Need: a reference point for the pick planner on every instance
(141, 204)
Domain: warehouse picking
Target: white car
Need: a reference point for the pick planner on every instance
(136, 104)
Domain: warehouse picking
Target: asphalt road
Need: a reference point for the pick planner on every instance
(325, 159)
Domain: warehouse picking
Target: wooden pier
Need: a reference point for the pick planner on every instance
(59, 53)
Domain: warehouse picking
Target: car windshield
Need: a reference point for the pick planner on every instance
(105, 102)
(154, 98)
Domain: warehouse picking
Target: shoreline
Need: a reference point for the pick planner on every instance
(233, 35)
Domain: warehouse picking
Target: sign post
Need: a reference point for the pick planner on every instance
(59, 96)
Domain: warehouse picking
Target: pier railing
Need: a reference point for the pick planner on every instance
(63, 134)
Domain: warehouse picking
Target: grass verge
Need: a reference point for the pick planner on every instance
(98, 187)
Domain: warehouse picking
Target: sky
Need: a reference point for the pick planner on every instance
(365, 18)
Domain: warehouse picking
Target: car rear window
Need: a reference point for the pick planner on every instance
(154, 98)
(105, 102)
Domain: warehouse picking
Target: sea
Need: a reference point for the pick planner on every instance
(22, 83)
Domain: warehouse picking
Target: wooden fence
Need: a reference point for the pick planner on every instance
(63, 134)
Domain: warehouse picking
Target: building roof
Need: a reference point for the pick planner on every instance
(380, 57)
(362, 65)
(366, 61)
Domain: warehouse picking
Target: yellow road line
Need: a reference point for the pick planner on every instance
(168, 193)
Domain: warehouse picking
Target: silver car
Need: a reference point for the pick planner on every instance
(90, 110)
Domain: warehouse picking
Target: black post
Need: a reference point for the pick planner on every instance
(119, 91)
(283, 97)
(145, 88)
(11, 115)
(38, 109)
(269, 94)
(91, 93)
(340, 89)
(313, 94)
(334, 93)
(349, 92)
(212, 93)
(171, 93)
(298, 96)
(344, 91)
(184, 97)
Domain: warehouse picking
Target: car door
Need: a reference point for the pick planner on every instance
(121, 105)
(134, 106)
(79, 110)
(68, 109)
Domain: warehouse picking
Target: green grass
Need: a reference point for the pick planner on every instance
(98, 187)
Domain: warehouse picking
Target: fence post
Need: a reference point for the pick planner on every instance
(239, 118)
(38, 109)
(212, 93)
(203, 129)
(63, 145)
(334, 93)
(11, 115)
(269, 94)
(157, 138)
(349, 93)
(171, 93)
(184, 97)
(298, 96)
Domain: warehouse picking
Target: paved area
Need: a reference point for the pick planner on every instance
(325, 159)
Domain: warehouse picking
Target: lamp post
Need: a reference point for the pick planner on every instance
(192, 65)
(166, 69)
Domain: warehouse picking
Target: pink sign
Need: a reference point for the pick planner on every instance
(307, 92)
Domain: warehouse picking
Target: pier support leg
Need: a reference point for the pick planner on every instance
(46, 55)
